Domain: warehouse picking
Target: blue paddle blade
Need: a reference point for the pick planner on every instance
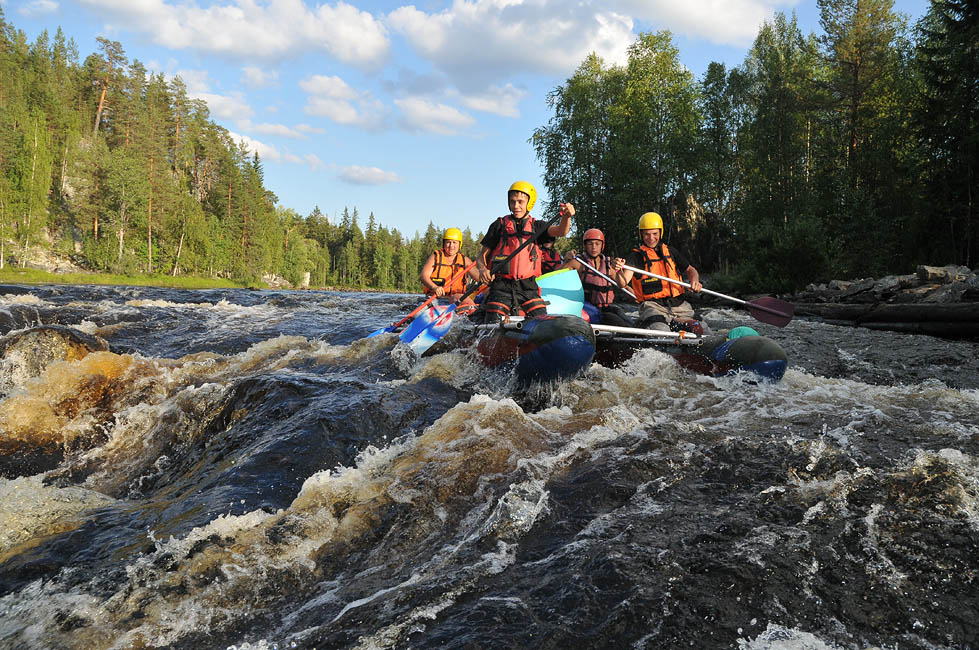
(433, 333)
(424, 318)
(562, 291)
(383, 330)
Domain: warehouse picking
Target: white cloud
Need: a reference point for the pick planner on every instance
(38, 8)
(331, 97)
(225, 107)
(424, 115)
(481, 42)
(248, 29)
(722, 22)
(499, 100)
(311, 130)
(256, 77)
(314, 161)
(264, 151)
(197, 81)
(357, 175)
(271, 129)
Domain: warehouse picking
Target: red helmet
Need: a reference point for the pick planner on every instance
(594, 233)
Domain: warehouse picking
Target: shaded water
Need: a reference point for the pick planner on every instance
(243, 469)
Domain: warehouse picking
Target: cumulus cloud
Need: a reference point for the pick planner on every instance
(421, 114)
(358, 175)
(548, 36)
(331, 97)
(264, 151)
(272, 129)
(197, 81)
(256, 77)
(38, 8)
(722, 22)
(310, 130)
(478, 43)
(226, 107)
(249, 29)
(498, 100)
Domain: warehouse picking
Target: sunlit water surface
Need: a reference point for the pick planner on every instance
(244, 469)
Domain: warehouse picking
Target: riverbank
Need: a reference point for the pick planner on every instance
(15, 275)
(938, 301)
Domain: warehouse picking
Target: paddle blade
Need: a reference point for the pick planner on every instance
(562, 291)
(431, 334)
(424, 318)
(383, 330)
(772, 311)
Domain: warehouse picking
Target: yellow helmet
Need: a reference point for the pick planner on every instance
(651, 221)
(526, 188)
(454, 234)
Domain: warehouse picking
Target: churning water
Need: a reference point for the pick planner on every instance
(244, 470)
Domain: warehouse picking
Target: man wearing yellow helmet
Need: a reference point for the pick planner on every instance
(661, 303)
(515, 287)
(447, 263)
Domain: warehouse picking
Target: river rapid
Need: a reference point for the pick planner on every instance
(244, 470)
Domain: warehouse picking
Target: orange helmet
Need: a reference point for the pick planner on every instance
(593, 234)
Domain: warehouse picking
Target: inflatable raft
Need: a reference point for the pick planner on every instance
(550, 348)
(741, 349)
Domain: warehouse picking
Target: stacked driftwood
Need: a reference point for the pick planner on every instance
(941, 301)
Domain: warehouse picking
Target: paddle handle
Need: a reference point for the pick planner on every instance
(683, 284)
(614, 283)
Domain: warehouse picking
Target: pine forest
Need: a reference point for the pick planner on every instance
(844, 154)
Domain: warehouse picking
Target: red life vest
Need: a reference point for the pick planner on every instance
(443, 270)
(647, 288)
(550, 260)
(598, 290)
(526, 263)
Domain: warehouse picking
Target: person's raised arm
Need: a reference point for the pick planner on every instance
(564, 227)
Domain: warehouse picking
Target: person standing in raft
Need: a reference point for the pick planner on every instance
(662, 305)
(515, 286)
(599, 292)
(445, 263)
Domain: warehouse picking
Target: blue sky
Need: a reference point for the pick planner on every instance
(416, 113)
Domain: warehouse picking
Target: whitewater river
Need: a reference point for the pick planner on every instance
(243, 470)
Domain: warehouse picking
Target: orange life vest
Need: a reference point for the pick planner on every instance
(647, 288)
(526, 263)
(598, 290)
(442, 271)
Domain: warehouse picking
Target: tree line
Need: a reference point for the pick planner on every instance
(118, 169)
(840, 155)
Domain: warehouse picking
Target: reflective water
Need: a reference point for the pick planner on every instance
(244, 470)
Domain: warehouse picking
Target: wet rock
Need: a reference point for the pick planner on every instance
(28, 353)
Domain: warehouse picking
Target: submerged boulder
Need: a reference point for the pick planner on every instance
(28, 353)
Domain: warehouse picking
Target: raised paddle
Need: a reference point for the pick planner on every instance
(387, 330)
(766, 309)
(424, 338)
